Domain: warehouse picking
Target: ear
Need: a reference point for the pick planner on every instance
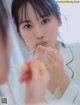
(59, 20)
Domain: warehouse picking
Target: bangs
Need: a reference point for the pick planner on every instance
(41, 7)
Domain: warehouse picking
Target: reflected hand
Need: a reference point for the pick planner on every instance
(36, 78)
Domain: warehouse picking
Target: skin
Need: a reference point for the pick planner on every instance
(45, 29)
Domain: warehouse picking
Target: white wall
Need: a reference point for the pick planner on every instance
(70, 30)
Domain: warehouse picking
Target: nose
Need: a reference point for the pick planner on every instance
(38, 33)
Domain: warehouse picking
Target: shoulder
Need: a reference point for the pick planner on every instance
(73, 47)
(71, 52)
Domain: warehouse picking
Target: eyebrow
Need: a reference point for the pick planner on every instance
(43, 16)
(28, 21)
(24, 21)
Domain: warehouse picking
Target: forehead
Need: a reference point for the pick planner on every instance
(28, 12)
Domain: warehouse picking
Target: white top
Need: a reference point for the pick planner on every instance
(71, 56)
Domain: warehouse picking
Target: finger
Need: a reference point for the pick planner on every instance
(54, 53)
(40, 69)
(54, 48)
(50, 63)
(43, 48)
(24, 78)
(31, 71)
(25, 68)
(26, 72)
(46, 61)
(50, 58)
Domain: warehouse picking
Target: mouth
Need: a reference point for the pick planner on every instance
(41, 43)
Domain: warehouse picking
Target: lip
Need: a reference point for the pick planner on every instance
(41, 43)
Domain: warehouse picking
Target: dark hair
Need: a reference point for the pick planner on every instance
(48, 7)
(3, 22)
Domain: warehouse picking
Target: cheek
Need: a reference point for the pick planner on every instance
(51, 31)
(29, 38)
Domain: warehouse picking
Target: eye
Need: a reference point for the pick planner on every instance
(28, 26)
(45, 21)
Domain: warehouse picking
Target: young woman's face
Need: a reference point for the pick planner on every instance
(5, 50)
(42, 30)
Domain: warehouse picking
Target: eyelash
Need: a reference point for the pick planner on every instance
(27, 25)
(44, 21)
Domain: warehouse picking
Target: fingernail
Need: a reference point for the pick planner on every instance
(39, 46)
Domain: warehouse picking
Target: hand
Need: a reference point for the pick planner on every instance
(36, 78)
(55, 65)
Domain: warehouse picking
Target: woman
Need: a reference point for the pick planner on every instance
(37, 22)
